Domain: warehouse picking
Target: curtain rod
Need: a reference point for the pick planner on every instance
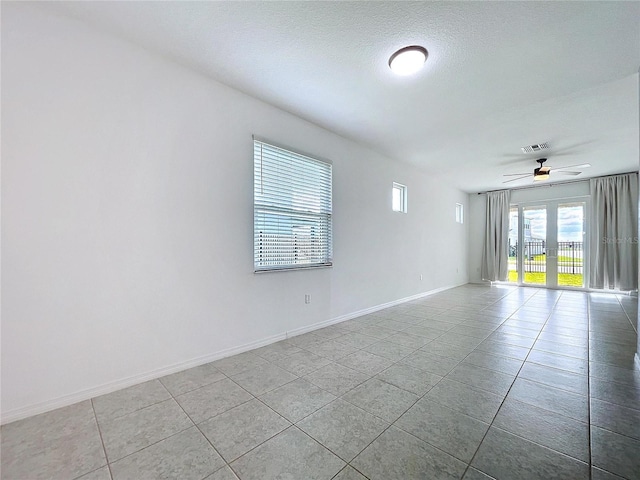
(549, 185)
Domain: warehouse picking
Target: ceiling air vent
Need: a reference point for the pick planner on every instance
(535, 148)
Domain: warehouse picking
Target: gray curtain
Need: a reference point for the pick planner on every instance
(614, 232)
(495, 254)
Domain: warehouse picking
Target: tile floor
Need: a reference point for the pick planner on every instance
(475, 383)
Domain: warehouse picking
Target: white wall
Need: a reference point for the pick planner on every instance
(477, 215)
(127, 218)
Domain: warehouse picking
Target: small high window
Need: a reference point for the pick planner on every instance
(459, 213)
(399, 198)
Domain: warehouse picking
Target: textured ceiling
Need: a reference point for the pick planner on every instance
(500, 75)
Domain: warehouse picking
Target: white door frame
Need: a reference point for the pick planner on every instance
(551, 243)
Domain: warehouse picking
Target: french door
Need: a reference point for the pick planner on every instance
(547, 243)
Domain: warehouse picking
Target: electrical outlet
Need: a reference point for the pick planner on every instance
(420, 277)
(307, 298)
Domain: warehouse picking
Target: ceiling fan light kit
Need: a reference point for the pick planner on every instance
(544, 172)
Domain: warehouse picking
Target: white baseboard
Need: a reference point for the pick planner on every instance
(86, 394)
(42, 407)
(365, 311)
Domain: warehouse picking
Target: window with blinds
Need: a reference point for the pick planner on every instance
(291, 210)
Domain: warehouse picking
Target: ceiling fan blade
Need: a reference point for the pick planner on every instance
(582, 165)
(515, 174)
(565, 172)
(519, 178)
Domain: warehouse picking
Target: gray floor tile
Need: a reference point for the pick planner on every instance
(297, 399)
(482, 378)
(456, 352)
(616, 418)
(408, 340)
(349, 473)
(598, 474)
(473, 474)
(186, 455)
(470, 335)
(336, 379)
(352, 325)
(377, 331)
(365, 362)
(343, 428)
(457, 434)
(396, 454)
(429, 362)
(381, 399)
(238, 363)
(506, 456)
(564, 339)
(560, 328)
(276, 351)
(498, 363)
(613, 353)
(461, 340)
(331, 332)
(289, 455)
(524, 329)
(555, 377)
(549, 398)
(135, 431)
(562, 349)
(546, 428)
(242, 428)
(358, 340)
(388, 350)
(122, 402)
(65, 456)
(618, 393)
(224, 473)
(438, 323)
(393, 325)
(612, 373)
(571, 364)
(333, 349)
(99, 474)
(302, 363)
(517, 340)
(40, 431)
(206, 402)
(473, 331)
(409, 378)
(263, 379)
(615, 453)
(504, 349)
(306, 339)
(471, 401)
(627, 338)
(423, 331)
(369, 320)
(196, 377)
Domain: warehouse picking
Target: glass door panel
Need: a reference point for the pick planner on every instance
(571, 232)
(534, 235)
(514, 234)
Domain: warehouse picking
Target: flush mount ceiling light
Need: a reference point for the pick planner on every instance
(408, 60)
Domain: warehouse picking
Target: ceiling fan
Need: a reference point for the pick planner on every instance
(543, 172)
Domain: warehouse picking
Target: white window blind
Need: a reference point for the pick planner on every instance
(291, 209)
